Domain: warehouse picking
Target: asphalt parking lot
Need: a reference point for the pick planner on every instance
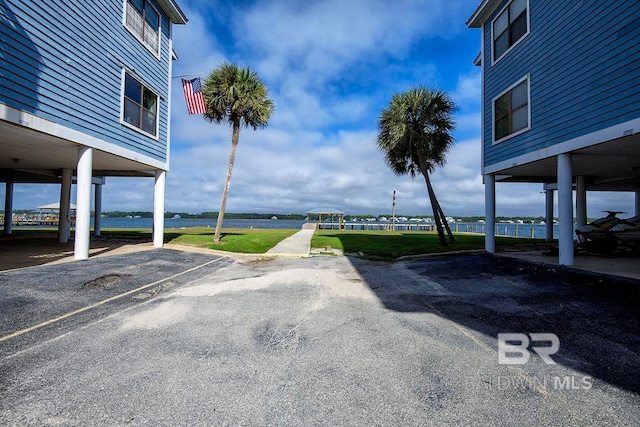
(324, 341)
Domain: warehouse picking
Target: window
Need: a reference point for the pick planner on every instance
(511, 111)
(140, 106)
(143, 21)
(509, 27)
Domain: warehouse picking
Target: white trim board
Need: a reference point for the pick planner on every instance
(614, 132)
(31, 121)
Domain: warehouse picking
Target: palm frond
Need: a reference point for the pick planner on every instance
(236, 94)
(416, 122)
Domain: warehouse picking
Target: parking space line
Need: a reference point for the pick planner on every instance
(97, 304)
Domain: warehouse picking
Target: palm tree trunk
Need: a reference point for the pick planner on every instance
(438, 215)
(445, 223)
(232, 157)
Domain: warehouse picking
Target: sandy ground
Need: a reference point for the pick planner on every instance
(28, 251)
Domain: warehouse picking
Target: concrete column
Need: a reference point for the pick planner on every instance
(581, 200)
(8, 207)
(97, 216)
(64, 226)
(83, 203)
(565, 209)
(490, 213)
(548, 214)
(637, 203)
(158, 209)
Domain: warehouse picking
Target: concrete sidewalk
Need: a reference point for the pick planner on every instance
(297, 245)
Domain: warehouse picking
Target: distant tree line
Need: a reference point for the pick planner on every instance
(204, 215)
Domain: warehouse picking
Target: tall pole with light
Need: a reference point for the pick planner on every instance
(393, 212)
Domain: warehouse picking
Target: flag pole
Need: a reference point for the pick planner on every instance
(187, 75)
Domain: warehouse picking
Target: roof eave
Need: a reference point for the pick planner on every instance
(176, 15)
(482, 13)
(478, 59)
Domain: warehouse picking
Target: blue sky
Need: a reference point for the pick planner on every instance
(331, 66)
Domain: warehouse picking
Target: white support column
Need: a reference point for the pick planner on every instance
(158, 209)
(548, 214)
(565, 209)
(64, 224)
(83, 203)
(8, 207)
(97, 216)
(490, 213)
(581, 200)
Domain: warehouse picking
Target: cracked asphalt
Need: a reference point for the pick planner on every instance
(314, 341)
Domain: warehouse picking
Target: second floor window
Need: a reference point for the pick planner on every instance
(143, 20)
(511, 111)
(509, 27)
(140, 106)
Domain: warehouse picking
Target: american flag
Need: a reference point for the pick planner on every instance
(193, 96)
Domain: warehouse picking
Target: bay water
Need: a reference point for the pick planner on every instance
(537, 231)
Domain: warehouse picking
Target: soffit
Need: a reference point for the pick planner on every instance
(482, 13)
(605, 165)
(29, 151)
(172, 9)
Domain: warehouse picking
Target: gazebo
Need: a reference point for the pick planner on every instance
(55, 207)
(50, 214)
(329, 213)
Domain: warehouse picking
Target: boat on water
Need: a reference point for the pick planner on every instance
(274, 218)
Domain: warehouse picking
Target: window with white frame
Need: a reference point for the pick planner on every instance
(511, 113)
(509, 27)
(143, 20)
(140, 106)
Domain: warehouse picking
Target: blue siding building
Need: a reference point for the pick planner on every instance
(85, 91)
(560, 101)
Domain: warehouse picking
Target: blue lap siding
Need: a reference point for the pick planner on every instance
(582, 58)
(63, 60)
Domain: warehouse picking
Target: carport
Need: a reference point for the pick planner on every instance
(609, 166)
(56, 155)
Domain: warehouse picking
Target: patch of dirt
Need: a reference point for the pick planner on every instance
(104, 282)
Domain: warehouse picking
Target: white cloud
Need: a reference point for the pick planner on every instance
(468, 89)
(322, 38)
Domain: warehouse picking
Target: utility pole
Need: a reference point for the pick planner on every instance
(393, 212)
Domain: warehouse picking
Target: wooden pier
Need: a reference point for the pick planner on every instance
(403, 226)
(507, 230)
(32, 220)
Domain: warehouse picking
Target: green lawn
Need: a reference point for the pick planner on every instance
(239, 240)
(386, 245)
(394, 244)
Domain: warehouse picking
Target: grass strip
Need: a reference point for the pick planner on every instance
(385, 245)
(238, 240)
(394, 244)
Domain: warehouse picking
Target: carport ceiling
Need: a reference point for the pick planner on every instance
(30, 151)
(613, 165)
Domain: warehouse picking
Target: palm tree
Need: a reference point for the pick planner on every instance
(415, 133)
(236, 96)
